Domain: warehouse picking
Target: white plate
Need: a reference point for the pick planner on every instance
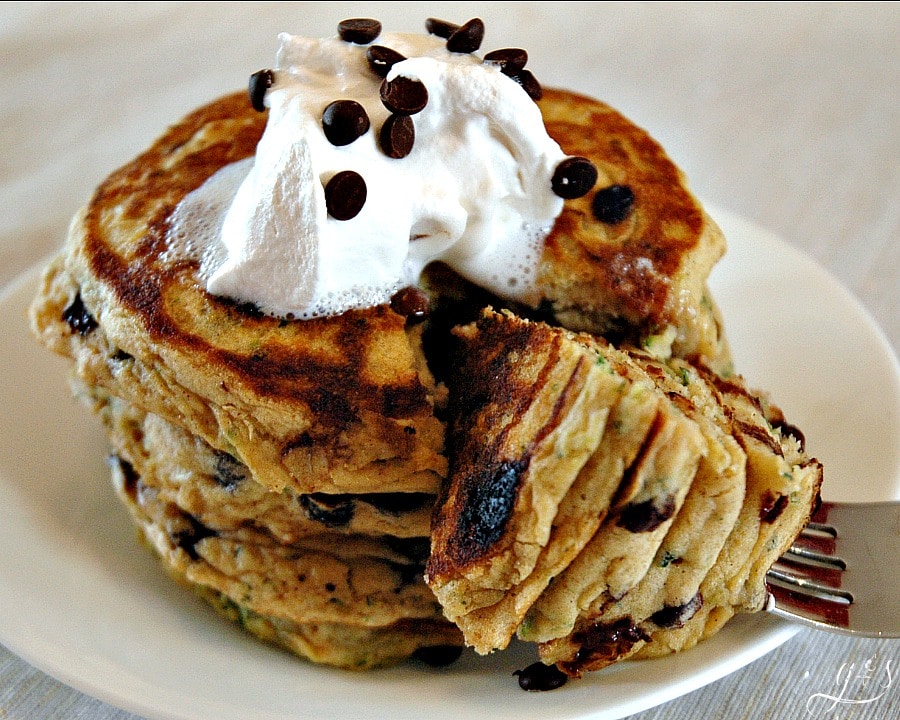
(82, 601)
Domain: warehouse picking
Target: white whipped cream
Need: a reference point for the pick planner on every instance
(474, 191)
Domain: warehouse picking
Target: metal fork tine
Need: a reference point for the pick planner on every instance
(839, 573)
(799, 583)
(814, 528)
(814, 558)
(798, 606)
(824, 579)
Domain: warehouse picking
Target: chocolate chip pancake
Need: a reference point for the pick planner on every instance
(350, 647)
(690, 495)
(712, 563)
(612, 564)
(332, 405)
(215, 489)
(334, 579)
(350, 579)
(781, 487)
(326, 578)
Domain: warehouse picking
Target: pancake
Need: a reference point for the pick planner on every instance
(695, 487)
(349, 647)
(529, 411)
(525, 493)
(215, 489)
(341, 405)
(328, 585)
(326, 578)
(610, 565)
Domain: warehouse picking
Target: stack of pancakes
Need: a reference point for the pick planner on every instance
(589, 491)
(286, 470)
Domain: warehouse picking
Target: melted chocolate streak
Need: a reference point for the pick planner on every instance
(489, 497)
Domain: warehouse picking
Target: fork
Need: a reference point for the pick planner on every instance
(839, 574)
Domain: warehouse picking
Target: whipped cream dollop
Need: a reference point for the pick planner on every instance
(474, 191)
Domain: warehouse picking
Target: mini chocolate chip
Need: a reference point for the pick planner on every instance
(191, 533)
(573, 177)
(303, 440)
(260, 82)
(397, 503)
(441, 28)
(675, 616)
(249, 309)
(130, 478)
(381, 59)
(438, 655)
(410, 302)
(397, 136)
(529, 84)
(404, 96)
(408, 574)
(344, 121)
(345, 195)
(415, 549)
(467, 38)
(772, 507)
(230, 472)
(361, 31)
(602, 643)
(646, 516)
(510, 60)
(78, 318)
(332, 511)
(613, 204)
(540, 677)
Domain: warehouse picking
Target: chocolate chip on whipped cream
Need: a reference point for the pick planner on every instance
(381, 59)
(397, 136)
(511, 61)
(360, 31)
(260, 82)
(529, 84)
(467, 38)
(440, 28)
(404, 96)
(345, 195)
(343, 121)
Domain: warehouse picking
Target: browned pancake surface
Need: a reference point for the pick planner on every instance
(647, 271)
(284, 362)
